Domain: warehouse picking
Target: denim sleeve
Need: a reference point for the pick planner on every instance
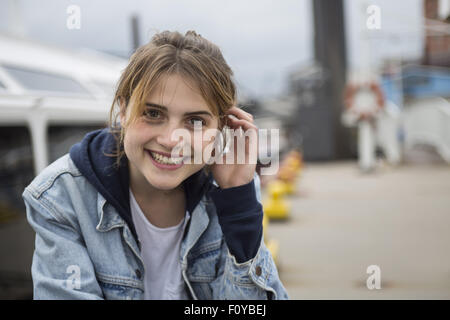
(61, 267)
(254, 279)
(240, 217)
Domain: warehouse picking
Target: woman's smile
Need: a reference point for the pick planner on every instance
(164, 161)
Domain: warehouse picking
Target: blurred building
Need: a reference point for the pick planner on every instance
(318, 86)
(406, 81)
(420, 90)
(315, 123)
(437, 35)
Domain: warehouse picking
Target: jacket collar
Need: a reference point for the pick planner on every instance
(199, 221)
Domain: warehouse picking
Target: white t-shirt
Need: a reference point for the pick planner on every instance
(160, 250)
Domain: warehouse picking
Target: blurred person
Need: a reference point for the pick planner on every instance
(119, 217)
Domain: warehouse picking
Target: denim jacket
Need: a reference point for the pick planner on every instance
(84, 249)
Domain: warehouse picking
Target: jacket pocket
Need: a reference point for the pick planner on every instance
(120, 288)
(204, 262)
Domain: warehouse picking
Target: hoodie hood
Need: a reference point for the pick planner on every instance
(112, 182)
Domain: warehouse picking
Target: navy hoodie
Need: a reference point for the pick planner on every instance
(238, 210)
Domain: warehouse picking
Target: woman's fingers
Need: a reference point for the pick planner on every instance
(245, 124)
(248, 128)
(240, 114)
(244, 120)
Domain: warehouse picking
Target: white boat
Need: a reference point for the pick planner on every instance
(49, 98)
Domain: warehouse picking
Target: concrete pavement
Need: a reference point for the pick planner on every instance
(343, 221)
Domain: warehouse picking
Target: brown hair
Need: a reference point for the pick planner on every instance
(190, 56)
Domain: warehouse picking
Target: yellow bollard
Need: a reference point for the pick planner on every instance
(265, 224)
(294, 164)
(299, 158)
(289, 171)
(271, 244)
(287, 176)
(275, 207)
(273, 247)
(289, 187)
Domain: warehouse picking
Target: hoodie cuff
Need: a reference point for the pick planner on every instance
(240, 217)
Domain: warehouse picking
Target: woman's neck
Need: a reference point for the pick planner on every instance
(163, 208)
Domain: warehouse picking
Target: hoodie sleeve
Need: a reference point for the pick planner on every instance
(240, 216)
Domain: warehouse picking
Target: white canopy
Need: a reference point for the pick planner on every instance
(42, 85)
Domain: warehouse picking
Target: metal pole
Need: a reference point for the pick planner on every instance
(330, 52)
(135, 36)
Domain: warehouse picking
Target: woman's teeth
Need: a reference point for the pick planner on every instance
(164, 160)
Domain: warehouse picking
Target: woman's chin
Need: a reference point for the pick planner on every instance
(164, 184)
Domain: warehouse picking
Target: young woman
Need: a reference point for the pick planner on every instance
(123, 216)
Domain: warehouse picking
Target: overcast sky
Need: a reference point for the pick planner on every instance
(262, 40)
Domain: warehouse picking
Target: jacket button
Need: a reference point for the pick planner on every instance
(258, 270)
(138, 273)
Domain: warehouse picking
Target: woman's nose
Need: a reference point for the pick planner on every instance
(168, 137)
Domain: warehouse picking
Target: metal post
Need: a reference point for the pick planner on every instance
(329, 49)
(135, 32)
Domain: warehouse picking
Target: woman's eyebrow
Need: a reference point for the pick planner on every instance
(164, 108)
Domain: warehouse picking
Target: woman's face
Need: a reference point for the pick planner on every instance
(172, 105)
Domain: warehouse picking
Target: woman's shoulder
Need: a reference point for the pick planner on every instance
(61, 191)
(60, 172)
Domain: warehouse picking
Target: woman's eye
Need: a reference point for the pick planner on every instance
(197, 121)
(153, 114)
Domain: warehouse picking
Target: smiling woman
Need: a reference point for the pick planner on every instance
(152, 134)
(142, 222)
(198, 61)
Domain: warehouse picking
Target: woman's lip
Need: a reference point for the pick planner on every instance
(162, 165)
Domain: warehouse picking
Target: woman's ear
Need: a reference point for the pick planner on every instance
(222, 122)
